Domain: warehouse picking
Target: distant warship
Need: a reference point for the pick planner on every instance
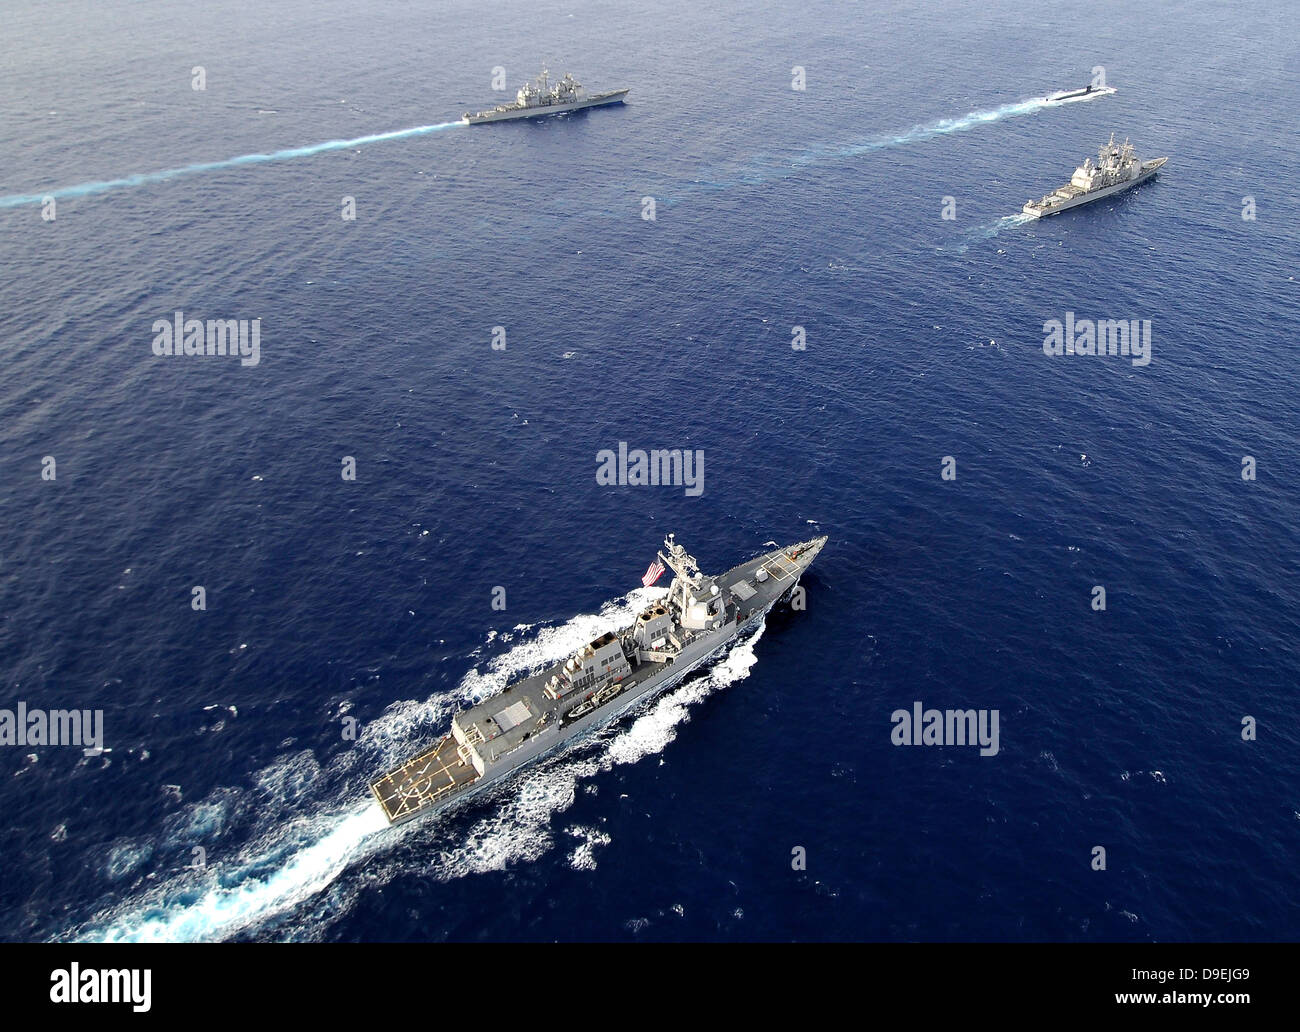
(699, 616)
(1117, 169)
(539, 98)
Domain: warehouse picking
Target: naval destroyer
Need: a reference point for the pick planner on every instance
(1117, 169)
(540, 97)
(697, 618)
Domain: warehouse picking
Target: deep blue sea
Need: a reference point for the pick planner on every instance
(334, 603)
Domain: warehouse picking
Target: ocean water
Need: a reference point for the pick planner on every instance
(330, 600)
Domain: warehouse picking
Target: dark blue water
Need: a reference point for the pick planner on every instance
(371, 600)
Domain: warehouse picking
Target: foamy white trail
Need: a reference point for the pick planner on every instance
(144, 178)
(944, 127)
(991, 229)
(296, 861)
(221, 910)
(925, 131)
(917, 134)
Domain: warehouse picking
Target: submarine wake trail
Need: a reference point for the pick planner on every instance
(942, 127)
(146, 178)
(917, 134)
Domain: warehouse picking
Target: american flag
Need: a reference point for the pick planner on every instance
(652, 573)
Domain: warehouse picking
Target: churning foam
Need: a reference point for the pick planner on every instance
(990, 229)
(294, 861)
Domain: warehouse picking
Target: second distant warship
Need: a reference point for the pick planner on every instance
(693, 622)
(1117, 169)
(541, 97)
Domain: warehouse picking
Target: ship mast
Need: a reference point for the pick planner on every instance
(683, 565)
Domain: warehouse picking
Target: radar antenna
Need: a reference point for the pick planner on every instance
(678, 560)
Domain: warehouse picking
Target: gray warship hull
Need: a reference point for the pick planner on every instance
(1070, 196)
(530, 724)
(510, 112)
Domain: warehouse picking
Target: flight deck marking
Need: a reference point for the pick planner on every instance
(779, 568)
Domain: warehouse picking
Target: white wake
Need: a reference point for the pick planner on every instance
(163, 175)
(295, 860)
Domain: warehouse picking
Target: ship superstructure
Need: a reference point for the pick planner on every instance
(1118, 168)
(543, 97)
(696, 619)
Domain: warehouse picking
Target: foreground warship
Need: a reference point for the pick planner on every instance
(539, 98)
(1117, 168)
(672, 636)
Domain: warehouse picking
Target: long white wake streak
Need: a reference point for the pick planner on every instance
(145, 178)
